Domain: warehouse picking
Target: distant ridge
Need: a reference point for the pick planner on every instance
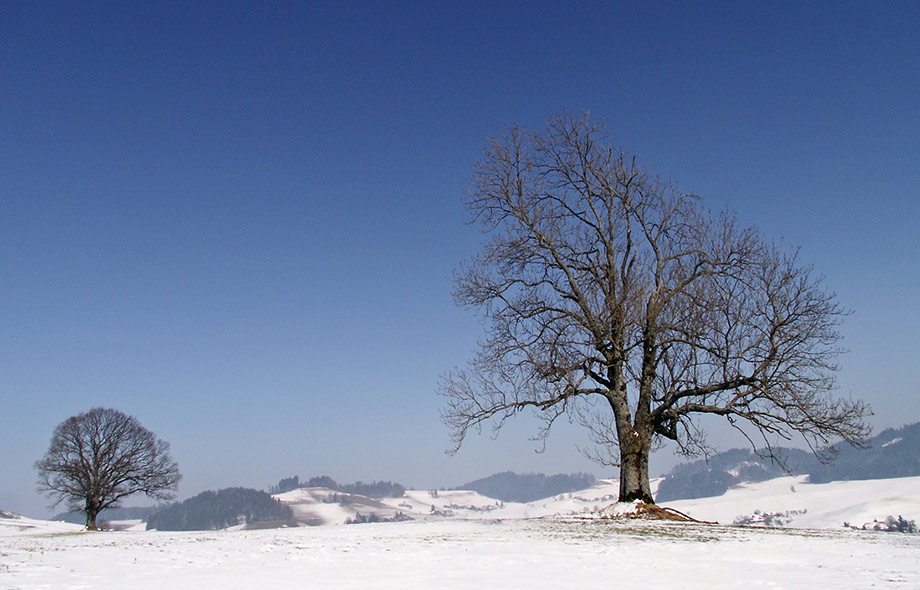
(375, 489)
(511, 487)
(894, 452)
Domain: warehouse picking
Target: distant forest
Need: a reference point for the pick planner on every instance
(217, 510)
(891, 453)
(511, 487)
(376, 489)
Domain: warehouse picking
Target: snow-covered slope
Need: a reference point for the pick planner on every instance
(14, 524)
(318, 506)
(790, 501)
(324, 506)
(826, 505)
(785, 501)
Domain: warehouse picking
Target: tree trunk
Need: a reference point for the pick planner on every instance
(92, 511)
(634, 453)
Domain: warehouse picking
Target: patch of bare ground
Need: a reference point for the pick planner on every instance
(645, 511)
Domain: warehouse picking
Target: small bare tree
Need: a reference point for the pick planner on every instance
(618, 301)
(99, 457)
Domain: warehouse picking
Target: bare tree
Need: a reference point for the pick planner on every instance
(618, 301)
(99, 457)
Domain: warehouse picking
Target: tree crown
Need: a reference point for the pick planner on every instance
(101, 456)
(616, 299)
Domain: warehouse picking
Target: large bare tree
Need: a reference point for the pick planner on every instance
(618, 301)
(99, 457)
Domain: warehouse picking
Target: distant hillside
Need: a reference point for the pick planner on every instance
(713, 477)
(376, 489)
(511, 487)
(221, 509)
(891, 453)
(109, 514)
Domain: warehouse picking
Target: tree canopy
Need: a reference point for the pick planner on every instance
(97, 458)
(615, 299)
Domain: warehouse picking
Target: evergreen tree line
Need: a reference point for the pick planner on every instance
(217, 510)
(375, 489)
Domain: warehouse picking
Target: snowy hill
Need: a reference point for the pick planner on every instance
(14, 524)
(785, 501)
(805, 505)
(322, 506)
(891, 453)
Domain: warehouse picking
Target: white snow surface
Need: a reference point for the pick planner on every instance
(826, 505)
(533, 554)
(313, 505)
(460, 539)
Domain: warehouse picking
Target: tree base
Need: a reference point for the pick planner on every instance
(644, 511)
(637, 495)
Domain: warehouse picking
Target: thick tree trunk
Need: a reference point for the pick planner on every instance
(634, 453)
(92, 511)
(635, 446)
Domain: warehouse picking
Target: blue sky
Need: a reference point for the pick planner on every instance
(239, 223)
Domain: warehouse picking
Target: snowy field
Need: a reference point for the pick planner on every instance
(544, 553)
(460, 539)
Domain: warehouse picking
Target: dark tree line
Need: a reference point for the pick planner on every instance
(374, 517)
(374, 489)
(217, 510)
(286, 484)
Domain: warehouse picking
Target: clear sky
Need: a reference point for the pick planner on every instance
(239, 223)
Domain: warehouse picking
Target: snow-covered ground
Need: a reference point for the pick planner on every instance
(533, 554)
(826, 505)
(461, 539)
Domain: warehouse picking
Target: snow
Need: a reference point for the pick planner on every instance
(14, 524)
(460, 539)
(545, 553)
(892, 442)
(826, 505)
(312, 505)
